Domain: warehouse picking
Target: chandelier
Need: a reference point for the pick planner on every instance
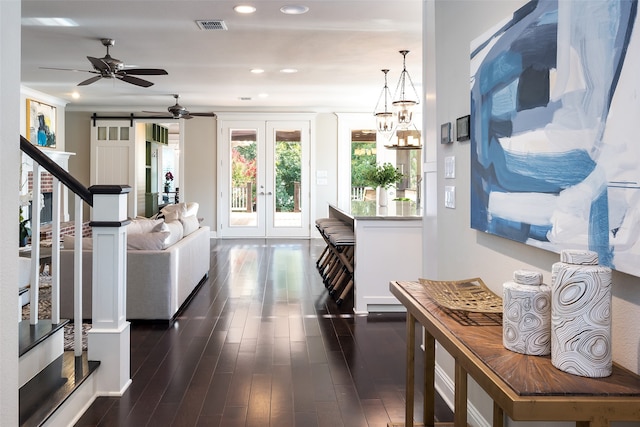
(403, 107)
(384, 119)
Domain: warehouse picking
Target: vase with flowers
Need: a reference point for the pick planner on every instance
(168, 178)
(383, 177)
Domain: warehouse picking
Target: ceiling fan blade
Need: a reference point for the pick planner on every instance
(160, 113)
(91, 80)
(68, 69)
(203, 114)
(134, 80)
(186, 116)
(145, 71)
(99, 63)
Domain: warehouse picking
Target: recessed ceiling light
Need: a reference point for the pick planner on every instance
(75, 95)
(293, 9)
(50, 22)
(257, 71)
(244, 8)
(288, 70)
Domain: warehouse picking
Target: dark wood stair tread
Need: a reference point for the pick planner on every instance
(44, 393)
(30, 336)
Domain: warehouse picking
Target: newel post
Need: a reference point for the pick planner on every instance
(109, 338)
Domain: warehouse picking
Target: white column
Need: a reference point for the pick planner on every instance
(109, 337)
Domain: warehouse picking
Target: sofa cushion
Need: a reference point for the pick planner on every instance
(144, 225)
(153, 241)
(69, 242)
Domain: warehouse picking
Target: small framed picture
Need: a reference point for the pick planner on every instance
(445, 133)
(41, 123)
(462, 128)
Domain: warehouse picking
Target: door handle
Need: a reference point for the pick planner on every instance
(269, 193)
(261, 193)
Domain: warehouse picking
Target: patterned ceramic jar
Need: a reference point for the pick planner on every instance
(526, 316)
(581, 315)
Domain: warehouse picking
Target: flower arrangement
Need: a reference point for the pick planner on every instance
(385, 175)
(168, 177)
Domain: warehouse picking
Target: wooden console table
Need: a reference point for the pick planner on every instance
(526, 388)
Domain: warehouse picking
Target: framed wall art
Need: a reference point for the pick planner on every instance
(445, 133)
(462, 128)
(41, 123)
(553, 157)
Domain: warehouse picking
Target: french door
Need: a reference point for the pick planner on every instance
(264, 180)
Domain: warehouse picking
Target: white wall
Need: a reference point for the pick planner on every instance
(10, 164)
(463, 252)
(199, 167)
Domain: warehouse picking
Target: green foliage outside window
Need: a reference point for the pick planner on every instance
(288, 172)
(363, 157)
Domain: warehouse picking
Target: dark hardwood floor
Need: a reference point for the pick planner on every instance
(262, 344)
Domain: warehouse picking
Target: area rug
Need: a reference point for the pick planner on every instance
(44, 312)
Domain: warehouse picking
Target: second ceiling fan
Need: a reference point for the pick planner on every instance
(177, 111)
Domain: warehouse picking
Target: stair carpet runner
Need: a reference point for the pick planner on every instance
(336, 263)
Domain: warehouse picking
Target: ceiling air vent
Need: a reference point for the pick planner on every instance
(212, 24)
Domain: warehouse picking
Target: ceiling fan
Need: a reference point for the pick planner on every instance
(177, 111)
(108, 67)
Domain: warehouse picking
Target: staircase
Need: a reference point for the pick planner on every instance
(57, 386)
(46, 395)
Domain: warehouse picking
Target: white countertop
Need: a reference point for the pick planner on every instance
(369, 210)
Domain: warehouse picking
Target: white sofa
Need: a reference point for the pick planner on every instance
(159, 281)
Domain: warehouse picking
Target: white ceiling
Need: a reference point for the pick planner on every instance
(339, 48)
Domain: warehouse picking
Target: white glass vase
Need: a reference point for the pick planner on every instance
(382, 197)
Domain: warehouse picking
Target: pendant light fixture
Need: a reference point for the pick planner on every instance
(384, 119)
(403, 107)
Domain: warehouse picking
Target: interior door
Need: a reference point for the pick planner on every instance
(265, 179)
(113, 157)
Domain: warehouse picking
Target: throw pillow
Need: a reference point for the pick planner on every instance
(192, 209)
(190, 224)
(173, 212)
(154, 241)
(139, 225)
(179, 210)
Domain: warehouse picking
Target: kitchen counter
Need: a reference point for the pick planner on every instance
(388, 247)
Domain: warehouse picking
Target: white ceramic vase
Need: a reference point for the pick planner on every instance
(581, 315)
(383, 197)
(526, 317)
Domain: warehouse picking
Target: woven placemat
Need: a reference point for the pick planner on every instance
(467, 295)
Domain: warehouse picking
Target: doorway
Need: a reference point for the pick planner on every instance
(264, 178)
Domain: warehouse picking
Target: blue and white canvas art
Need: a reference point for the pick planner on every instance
(555, 135)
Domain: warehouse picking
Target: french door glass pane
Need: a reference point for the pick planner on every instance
(288, 178)
(244, 172)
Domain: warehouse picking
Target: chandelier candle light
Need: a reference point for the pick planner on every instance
(404, 107)
(385, 119)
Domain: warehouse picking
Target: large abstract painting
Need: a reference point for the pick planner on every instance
(555, 139)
